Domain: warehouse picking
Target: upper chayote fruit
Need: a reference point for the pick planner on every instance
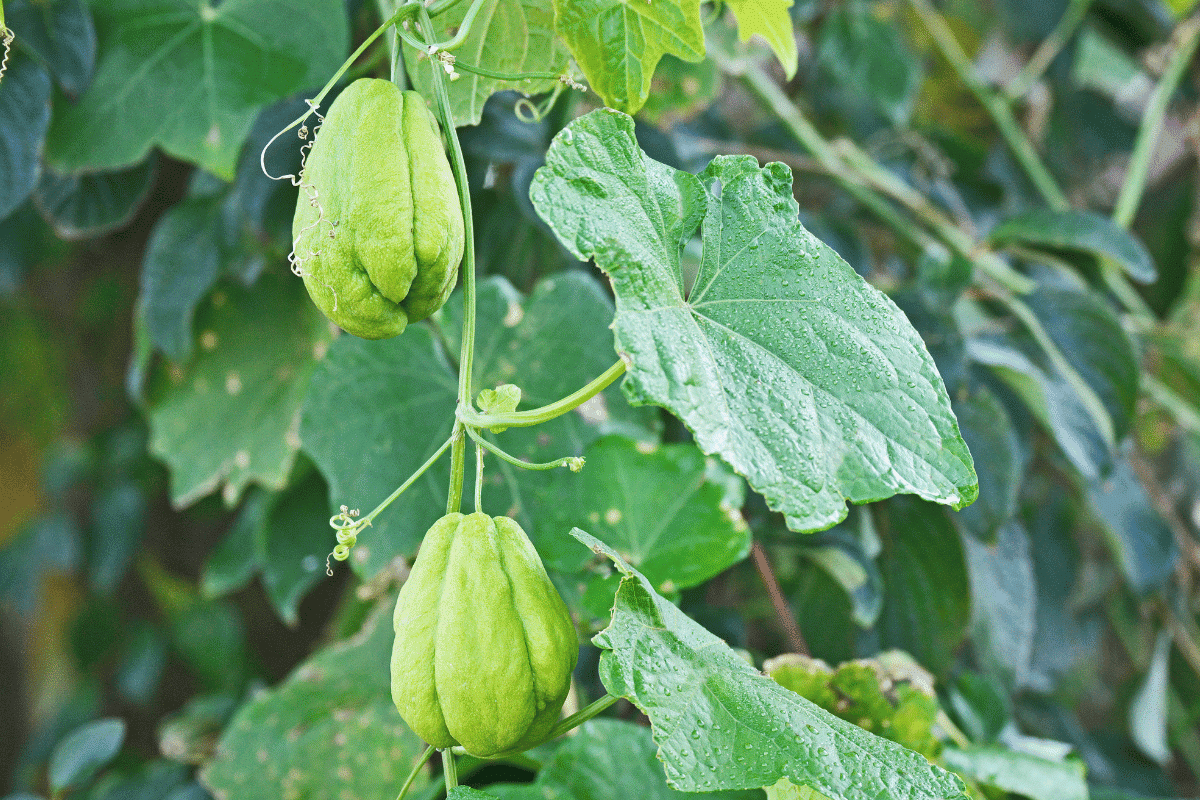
(484, 645)
(378, 231)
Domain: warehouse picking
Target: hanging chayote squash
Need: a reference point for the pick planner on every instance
(484, 644)
(378, 230)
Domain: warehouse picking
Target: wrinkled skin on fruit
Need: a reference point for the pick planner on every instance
(484, 644)
(378, 230)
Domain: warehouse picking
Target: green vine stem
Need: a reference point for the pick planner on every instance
(574, 462)
(1050, 47)
(467, 353)
(536, 416)
(996, 106)
(1187, 36)
(416, 770)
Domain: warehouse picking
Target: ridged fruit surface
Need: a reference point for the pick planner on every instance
(378, 232)
(484, 645)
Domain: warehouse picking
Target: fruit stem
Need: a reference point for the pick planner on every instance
(449, 769)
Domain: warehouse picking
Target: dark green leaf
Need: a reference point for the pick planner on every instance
(927, 607)
(118, 523)
(192, 78)
(996, 450)
(141, 665)
(81, 754)
(329, 730)
(60, 35)
(868, 56)
(847, 553)
(232, 416)
(210, 637)
(296, 539)
(1026, 775)
(1142, 544)
(781, 359)
(1082, 231)
(24, 117)
(233, 562)
(1003, 601)
(721, 724)
(180, 267)
(91, 204)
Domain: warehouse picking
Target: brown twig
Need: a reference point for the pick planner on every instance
(783, 611)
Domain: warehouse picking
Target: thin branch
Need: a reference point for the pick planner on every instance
(1187, 36)
(1050, 47)
(783, 611)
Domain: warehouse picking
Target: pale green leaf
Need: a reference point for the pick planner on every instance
(512, 36)
(1081, 231)
(618, 44)
(770, 20)
(781, 359)
(721, 724)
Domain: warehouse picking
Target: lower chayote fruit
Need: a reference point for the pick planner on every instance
(484, 644)
(378, 232)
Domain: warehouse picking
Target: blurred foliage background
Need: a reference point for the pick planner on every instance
(162, 555)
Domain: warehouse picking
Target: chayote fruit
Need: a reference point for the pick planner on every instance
(484, 644)
(378, 231)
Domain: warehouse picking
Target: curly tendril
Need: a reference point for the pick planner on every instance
(6, 38)
(348, 526)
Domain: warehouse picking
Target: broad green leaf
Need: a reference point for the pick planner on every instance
(664, 510)
(770, 20)
(295, 539)
(1023, 774)
(1090, 335)
(780, 359)
(618, 44)
(81, 754)
(721, 724)
(180, 267)
(329, 730)
(24, 117)
(927, 606)
(1050, 398)
(1003, 601)
(87, 205)
(1141, 543)
(377, 410)
(192, 78)
(232, 415)
(60, 36)
(233, 562)
(786, 790)
(512, 36)
(889, 695)
(999, 463)
(1080, 231)
(870, 58)
(682, 89)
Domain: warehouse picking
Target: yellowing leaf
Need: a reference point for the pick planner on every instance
(769, 19)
